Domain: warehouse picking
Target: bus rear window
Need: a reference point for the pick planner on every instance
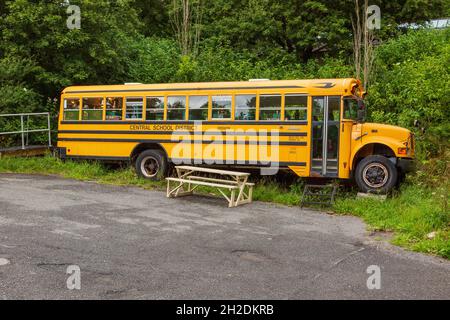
(71, 109)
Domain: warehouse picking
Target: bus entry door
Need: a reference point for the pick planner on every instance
(325, 136)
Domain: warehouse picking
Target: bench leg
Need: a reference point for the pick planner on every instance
(242, 185)
(175, 191)
(246, 196)
(232, 202)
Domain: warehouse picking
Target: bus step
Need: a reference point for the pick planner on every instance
(319, 194)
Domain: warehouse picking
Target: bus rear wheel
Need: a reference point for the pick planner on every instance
(151, 164)
(376, 174)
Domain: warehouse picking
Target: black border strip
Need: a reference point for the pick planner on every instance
(205, 133)
(281, 143)
(184, 89)
(183, 122)
(237, 163)
(98, 158)
(198, 161)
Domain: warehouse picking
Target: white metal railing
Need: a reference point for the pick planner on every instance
(25, 130)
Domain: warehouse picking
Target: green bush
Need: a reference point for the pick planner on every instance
(412, 82)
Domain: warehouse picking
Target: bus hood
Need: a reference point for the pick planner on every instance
(386, 130)
(396, 137)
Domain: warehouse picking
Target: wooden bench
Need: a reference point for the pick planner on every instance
(188, 180)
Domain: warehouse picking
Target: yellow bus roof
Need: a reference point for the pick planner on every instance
(334, 86)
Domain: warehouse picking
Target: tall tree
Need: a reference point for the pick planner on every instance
(96, 53)
(154, 15)
(186, 18)
(305, 28)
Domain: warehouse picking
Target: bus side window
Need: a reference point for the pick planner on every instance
(198, 107)
(295, 107)
(71, 109)
(114, 108)
(176, 108)
(269, 107)
(155, 108)
(92, 109)
(221, 107)
(245, 107)
(134, 108)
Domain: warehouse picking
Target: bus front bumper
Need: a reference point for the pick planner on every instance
(405, 165)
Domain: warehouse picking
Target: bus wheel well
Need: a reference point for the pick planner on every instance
(372, 149)
(145, 146)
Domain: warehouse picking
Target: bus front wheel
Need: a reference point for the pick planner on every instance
(151, 164)
(376, 174)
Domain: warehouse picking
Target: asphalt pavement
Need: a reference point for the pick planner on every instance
(131, 243)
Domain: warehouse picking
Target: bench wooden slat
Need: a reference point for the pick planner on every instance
(232, 182)
(212, 179)
(209, 170)
(209, 184)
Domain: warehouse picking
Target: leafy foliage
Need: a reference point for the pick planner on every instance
(412, 83)
(133, 41)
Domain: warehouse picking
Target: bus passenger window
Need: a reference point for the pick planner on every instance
(114, 108)
(176, 108)
(198, 107)
(155, 108)
(221, 107)
(134, 108)
(71, 109)
(245, 107)
(270, 107)
(92, 109)
(295, 107)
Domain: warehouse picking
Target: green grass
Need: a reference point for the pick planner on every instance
(411, 213)
(79, 170)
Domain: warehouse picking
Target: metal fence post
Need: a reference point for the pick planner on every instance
(23, 137)
(49, 131)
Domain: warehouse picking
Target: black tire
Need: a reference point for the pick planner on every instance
(376, 174)
(151, 165)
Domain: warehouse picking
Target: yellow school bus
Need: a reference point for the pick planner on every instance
(314, 128)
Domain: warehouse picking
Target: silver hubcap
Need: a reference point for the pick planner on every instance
(375, 175)
(149, 167)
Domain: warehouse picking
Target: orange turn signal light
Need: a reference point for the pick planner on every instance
(402, 151)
